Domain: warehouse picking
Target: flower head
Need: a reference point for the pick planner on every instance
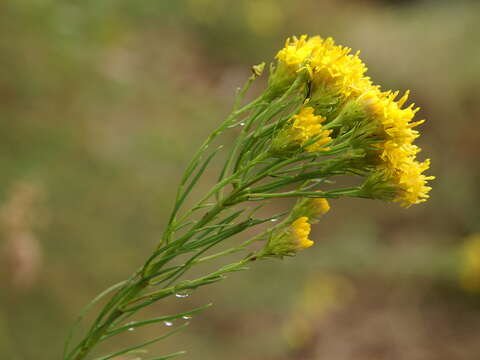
(300, 229)
(330, 66)
(313, 208)
(411, 181)
(396, 122)
(397, 153)
(320, 206)
(289, 239)
(302, 130)
(298, 52)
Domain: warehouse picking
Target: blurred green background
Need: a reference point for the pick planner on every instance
(102, 103)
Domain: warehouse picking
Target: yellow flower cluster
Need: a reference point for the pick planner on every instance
(333, 69)
(305, 126)
(293, 235)
(327, 63)
(300, 230)
(302, 130)
(397, 152)
(289, 238)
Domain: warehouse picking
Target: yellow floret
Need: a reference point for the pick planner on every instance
(290, 238)
(313, 208)
(321, 206)
(298, 52)
(397, 153)
(300, 231)
(305, 126)
(328, 64)
(412, 182)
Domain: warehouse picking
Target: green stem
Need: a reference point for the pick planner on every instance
(133, 296)
(354, 191)
(193, 163)
(97, 334)
(187, 284)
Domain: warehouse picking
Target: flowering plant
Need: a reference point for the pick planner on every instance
(319, 118)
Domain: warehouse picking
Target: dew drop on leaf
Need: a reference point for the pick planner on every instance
(182, 295)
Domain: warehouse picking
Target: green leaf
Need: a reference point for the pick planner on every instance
(195, 179)
(85, 311)
(132, 348)
(169, 356)
(138, 324)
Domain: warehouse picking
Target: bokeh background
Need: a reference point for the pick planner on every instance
(102, 104)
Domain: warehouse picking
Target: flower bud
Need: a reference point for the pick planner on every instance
(289, 239)
(313, 208)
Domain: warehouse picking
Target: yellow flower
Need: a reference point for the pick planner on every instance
(301, 130)
(470, 266)
(411, 181)
(297, 53)
(397, 152)
(328, 64)
(396, 122)
(337, 79)
(321, 206)
(300, 230)
(288, 239)
(306, 125)
(313, 208)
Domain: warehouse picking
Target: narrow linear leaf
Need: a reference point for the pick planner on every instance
(85, 311)
(169, 356)
(195, 179)
(162, 294)
(138, 324)
(130, 349)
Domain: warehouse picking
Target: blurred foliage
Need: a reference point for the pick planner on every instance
(102, 103)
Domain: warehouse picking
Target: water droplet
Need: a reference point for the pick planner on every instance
(236, 124)
(274, 220)
(186, 317)
(182, 294)
(168, 323)
(131, 329)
